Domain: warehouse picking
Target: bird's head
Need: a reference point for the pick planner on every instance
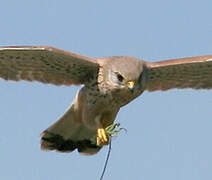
(126, 74)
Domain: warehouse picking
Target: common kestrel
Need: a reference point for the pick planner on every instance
(109, 83)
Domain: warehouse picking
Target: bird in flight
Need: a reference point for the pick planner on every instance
(109, 83)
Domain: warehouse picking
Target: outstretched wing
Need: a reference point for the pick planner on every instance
(193, 72)
(46, 65)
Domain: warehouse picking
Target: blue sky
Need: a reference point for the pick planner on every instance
(169, 133)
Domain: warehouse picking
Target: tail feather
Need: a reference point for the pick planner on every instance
(68, 134)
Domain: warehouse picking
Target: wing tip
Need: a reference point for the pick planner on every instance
(26, 48)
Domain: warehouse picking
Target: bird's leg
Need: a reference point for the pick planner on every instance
(102, 137)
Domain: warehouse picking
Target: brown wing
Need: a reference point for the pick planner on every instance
(193, 72)
(46, 64)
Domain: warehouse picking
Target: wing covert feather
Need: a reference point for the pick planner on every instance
(193, 72)
(46, 64)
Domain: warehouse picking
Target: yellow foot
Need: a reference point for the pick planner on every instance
(102, 137)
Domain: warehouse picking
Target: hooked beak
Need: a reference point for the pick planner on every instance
(131, 84)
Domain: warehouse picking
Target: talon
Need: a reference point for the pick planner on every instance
(102, 137)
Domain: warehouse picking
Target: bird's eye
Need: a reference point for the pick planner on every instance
(119, 77)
